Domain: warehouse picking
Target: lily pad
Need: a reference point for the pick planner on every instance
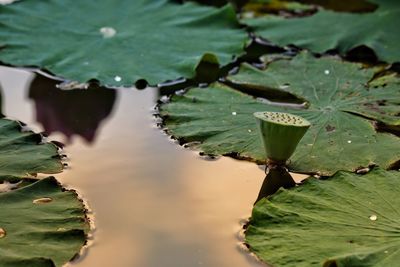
(23, 153)
(348, 220)
(118, 42)
(41, 224)
(328, 30)
(341, 107)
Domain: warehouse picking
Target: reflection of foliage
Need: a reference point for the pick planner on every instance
(348, 220)
(340, 107)
(77, 111)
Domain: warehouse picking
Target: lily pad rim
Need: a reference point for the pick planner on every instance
(57, 148)
(281, 190)
(88, 222)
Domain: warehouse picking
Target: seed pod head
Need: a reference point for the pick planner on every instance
(280, 134)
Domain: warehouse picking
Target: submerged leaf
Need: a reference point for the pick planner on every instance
(41, 224)
(348, 220)
(328, 30)
(117, 42)
(340, 106)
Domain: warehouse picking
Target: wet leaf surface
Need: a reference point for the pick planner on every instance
(41, 224)
(342, 135)
(23, 153)
(343, 31)
(348, 220)
(118, 42)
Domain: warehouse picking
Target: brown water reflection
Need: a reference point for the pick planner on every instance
(155, 203)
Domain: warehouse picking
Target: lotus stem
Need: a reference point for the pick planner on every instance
(280, 135)
(276, 178)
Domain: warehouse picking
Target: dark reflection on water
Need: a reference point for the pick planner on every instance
(276, 178)
(71, 112)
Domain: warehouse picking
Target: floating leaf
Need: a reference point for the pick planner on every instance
(118, 42)
(341, 109)
(41, 225)
(348, 220)
(328, 30)
(23, 153)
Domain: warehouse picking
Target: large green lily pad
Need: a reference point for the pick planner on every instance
(340, 106)
(328, 30)
(118, 42)
(348, 220)
(24, 153)
(41, 225)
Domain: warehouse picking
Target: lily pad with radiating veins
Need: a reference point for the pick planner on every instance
(41, 224)
(340, 105)
(343, 31)
(349, 220)
(118, 42)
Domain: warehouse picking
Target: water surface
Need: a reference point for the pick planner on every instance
(155, 203)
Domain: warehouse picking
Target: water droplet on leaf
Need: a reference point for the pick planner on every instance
(108, 32)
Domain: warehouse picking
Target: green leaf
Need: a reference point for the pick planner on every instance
(118, 42)
(328, 30)
(340, 107)
(41, 224)
(23, 153)
(348, 220)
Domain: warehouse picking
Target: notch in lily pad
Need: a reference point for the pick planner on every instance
(280, 133)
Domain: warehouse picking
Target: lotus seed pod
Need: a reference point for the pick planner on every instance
(280, 134)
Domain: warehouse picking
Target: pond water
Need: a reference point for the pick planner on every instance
(154, 202)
